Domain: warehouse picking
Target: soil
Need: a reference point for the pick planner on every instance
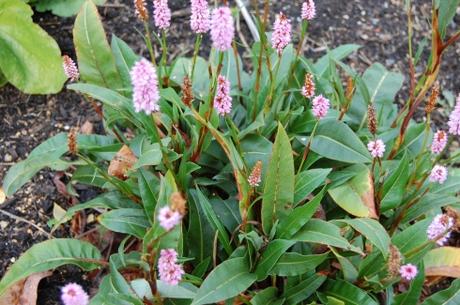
(25, 121)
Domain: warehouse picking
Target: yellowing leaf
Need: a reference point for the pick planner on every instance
(444, 261)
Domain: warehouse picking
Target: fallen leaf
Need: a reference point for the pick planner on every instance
(443, 261)
(87, 128)
(58, 212)
(2, 196)
(24, 292)
(122, 163)
(60, 186)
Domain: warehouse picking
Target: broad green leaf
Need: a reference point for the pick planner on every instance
(395, 185)
(151, 155)
(337, 54)
(293, 264)
(410, 238)
(181, 291)
(447, 11)
(88, 175)
(63, 8)
(227, 211)
(449, 296)
(270, 256)
(299, 217)
(356, 196)
(348, 293)
(3, 80)
(336, 141)
(306, 182)
(125, 58)
(46, 154)
(256, 148)
(303, 290)
(227, 280)
(372, 230)
(51, 254)
(95, 60)
(128, 221)
(428, 203)
(411, 296)
(278, 195)
(107, 96)
(325, 233)
(200, 232)
(149, 187)
(267, 297)
(443, 261)
(29, 58)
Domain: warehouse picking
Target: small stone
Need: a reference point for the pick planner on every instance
(8, 158)
(3, 224)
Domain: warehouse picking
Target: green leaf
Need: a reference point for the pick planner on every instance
(149, 189)
(51, 254)
(267, 297)
(347, 293)
(63, 8)
(325, 233)
(128, 221)
(95, 60)
(270, 256)
(306, 182)
(447, 11)
(3, 80)
(125, 58)
(88, 175)
(181, 291)
(151, 155)
(227, 280)
(410, 238)
(31, 69)
(336, 141)
(293, 264)
(303, 290)
(356, 196)
(299, 217)
(443, 261)
(105, 95)
(450, 296)
(337, 54)
(373, 231)
(395, 185)
(428, 203)
(47, 154)
(278, 195)
(412, 296)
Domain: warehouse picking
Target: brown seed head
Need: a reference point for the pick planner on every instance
(72, 141)
(433, 98)
(256, 175)
(187, 91)
(141, 11)
(178, 203)
(394, 261)
(371, 120)
(309, 88)
(350, 89)
(123, 161)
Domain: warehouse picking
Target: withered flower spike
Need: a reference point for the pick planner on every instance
(178, 203)
(141, 11)
(394, 261)
(371, 120)
(433, 98)
(72, 141)
(350, 89)
(187, 91)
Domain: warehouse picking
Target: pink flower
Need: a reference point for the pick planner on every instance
(439, 229)
(73, 294)
(438, 174)
(161, 14)
(320, 106)
(308, 10)
(223, 100)
(439, 142)
(222, 28)
(408, 271)
(454, 119)
(376, 148)
(308, 89)
(200, 16)
(168, 218)
(169, 271)
(70, 68)
(145, 87)
(255, 178)
(281, 35)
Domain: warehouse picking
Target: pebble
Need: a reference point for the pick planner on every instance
(8, 158)
(4, 224)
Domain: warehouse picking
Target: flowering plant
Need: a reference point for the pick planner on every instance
(292, 182)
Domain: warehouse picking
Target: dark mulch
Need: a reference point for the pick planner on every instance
(25, 121)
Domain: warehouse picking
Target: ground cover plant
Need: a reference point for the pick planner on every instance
(290, 182)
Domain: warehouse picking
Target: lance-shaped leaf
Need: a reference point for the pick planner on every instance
(278, 194)
(292, 264)
(348, 293)
(357, 195)
(271, 255)
(444, 261)
(450, 296)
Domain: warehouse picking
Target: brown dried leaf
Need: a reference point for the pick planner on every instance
(443, 261)
(24, 292)
(87, 128)
(60, 186)
(122, 163)
(2, 196)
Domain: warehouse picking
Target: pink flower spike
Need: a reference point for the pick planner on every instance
(168, 218)
(223, 100)
(408, 272)
(145, 87)
(200, 20)
(73, 294)
(320, 106)
(281, 35)
(308, 89)
(161, 14)
(308, 10)
(439, 142)
(439, 229)
(169, 271)
(454, 119)
(376, 148)
(222, 28)
(70, 68)
(438, 174)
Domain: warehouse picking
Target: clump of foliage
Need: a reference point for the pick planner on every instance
(294, 182)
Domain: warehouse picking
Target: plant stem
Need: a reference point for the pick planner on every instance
(198, 40)
(269, 100)
(307, 147)
(164, 59)
(148, 41)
